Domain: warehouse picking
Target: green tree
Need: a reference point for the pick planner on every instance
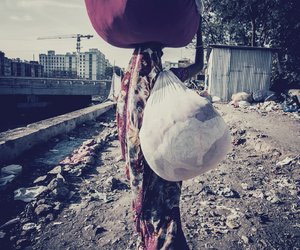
(268, 23)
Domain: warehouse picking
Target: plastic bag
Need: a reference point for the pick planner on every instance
(182, 135)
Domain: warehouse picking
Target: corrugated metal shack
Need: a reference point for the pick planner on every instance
(233, 69)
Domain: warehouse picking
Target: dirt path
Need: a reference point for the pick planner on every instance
(250, 202)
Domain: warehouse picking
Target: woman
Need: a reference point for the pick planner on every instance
(155, 200)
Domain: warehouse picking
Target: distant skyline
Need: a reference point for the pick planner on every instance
(23, 21)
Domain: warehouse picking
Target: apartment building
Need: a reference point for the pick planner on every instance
(86, 65)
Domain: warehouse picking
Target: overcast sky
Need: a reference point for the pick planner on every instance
(23, 21)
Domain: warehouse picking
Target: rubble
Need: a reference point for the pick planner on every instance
(40, 179)
(42, 209)
(29, 226)
(29, 194)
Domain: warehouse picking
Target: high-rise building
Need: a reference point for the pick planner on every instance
(87, 65)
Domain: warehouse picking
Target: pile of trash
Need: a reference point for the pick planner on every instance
(268, 101)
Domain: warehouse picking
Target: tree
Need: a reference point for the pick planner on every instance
(268, 23)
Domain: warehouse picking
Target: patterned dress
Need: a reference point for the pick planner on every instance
(155, 201)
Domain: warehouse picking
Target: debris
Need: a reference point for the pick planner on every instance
(40, 179)
(216, 99)
(57, 223)
(228, 193)
(243, 104)
(286, 161)
(59, 188)
(245, 239)
(29, 226)
(42, 209)
(56, 170)
(29, 194)
(233, 221)
(258, 95)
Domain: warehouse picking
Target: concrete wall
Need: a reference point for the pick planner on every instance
(15, 142)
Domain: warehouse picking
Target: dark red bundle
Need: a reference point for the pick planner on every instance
(126, 23)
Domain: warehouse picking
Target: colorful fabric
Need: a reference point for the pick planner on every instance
(155, 201)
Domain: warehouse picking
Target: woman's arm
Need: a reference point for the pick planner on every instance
(198, 65)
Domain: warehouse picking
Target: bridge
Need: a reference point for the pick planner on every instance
(52, 86)
(30, 92)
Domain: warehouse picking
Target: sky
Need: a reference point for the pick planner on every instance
(23, 21)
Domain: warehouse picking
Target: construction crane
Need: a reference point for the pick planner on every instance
(77, 36)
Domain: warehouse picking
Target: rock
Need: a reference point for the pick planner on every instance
(285, 162)
(274, 198)
(12, 170)
(29, 227)
(228, 193)
(29, 194)
(42, 209)
(245, 239)
(58, 206)
(233, 221)
(238, 141)
(59, 188)
(40, 179)
(56, 170)
(257, 194)
(244, 104)
(88, 232)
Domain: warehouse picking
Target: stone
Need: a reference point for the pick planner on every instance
(49, 217)
(11, 170)
(42, 209)
(29, 227)
(40, 179)
(274, 198)
(112, 184)
(233, 221)
(56, 170)
(285, 161)
(59, 187)
(58, 206)
(29, 194)
(229, 193)
(245, 239)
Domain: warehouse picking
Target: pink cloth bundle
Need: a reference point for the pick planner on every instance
(126, 23)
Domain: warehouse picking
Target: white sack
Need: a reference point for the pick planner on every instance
(182, 135)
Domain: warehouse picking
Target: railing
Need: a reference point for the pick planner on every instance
(32, 80)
